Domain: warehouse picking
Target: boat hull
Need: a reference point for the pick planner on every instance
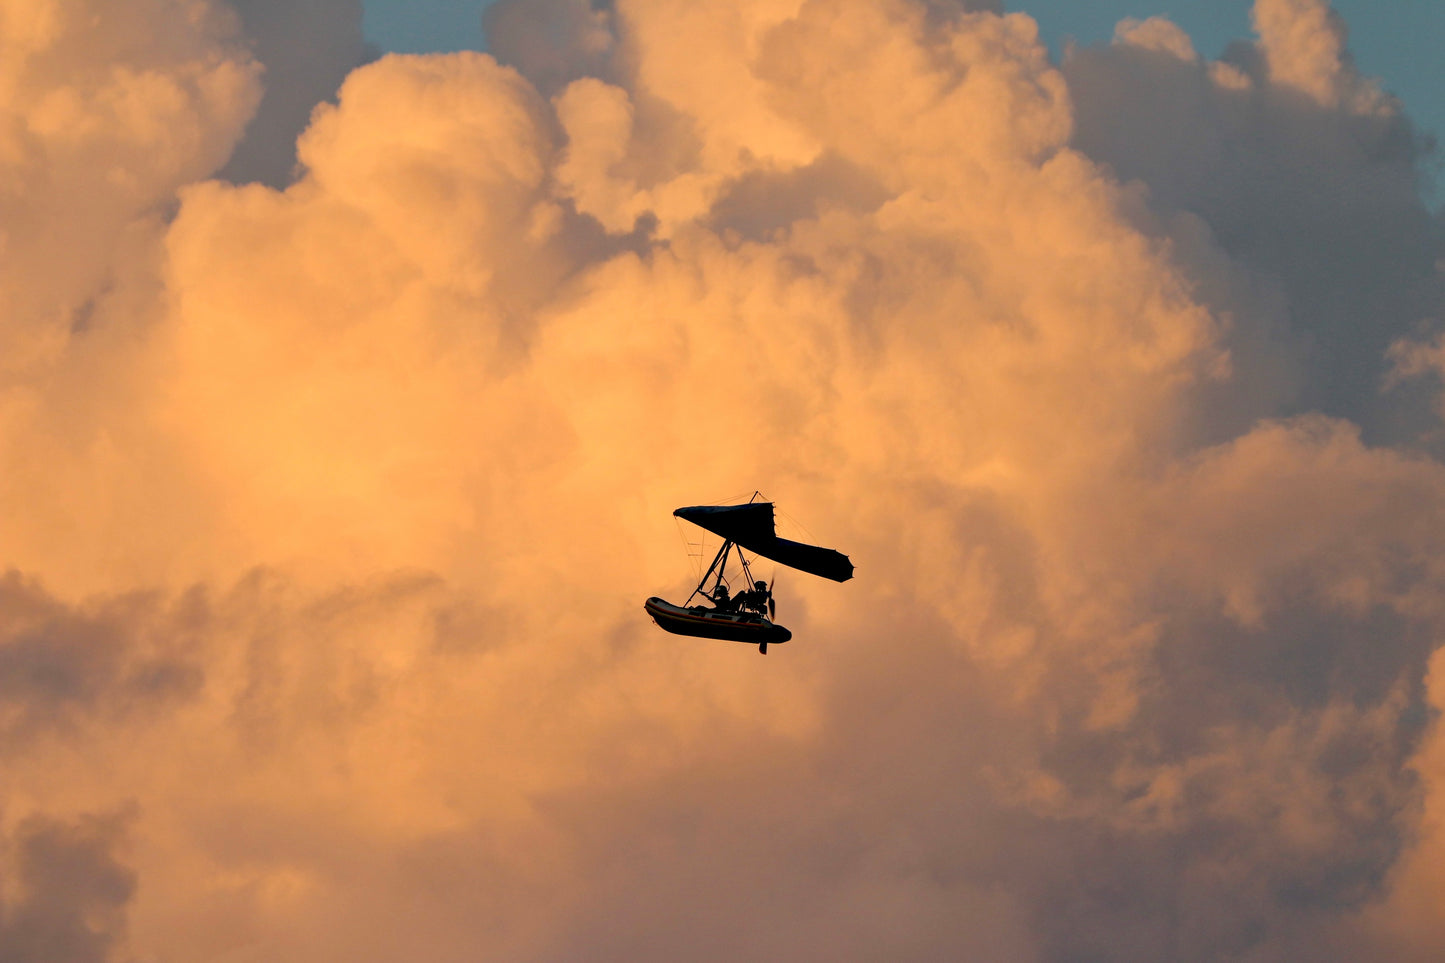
(705, 623)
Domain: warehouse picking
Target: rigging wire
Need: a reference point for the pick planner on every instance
(701, 546)
(688, 547)
(797, 525)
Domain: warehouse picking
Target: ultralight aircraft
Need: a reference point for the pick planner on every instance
(746, 616)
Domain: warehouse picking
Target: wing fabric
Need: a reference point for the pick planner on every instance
(826, 562)
(736, 523)
(751, 526)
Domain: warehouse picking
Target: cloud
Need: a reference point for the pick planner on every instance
(1415, 361)
(553, 42)
(307, 49)
(60, 667)
(1303, 43)
(107, 110)
(1296, 193)
(72, 891)
(1405, 924)
(338, 520)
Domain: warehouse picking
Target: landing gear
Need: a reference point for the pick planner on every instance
(762, 648)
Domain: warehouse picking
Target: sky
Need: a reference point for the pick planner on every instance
(345, 400)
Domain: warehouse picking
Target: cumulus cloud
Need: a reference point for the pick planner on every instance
(553, 42)
(107, 109)
(335, 533)
(306, 50)
(1295, 192)
(1303, 45)
(72, 891)
(60, 667)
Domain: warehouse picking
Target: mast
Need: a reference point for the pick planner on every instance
(719, 562)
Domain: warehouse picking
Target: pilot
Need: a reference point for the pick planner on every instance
(721, 601)
(756, 599)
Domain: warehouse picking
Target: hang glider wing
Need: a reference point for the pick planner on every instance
(751, 526)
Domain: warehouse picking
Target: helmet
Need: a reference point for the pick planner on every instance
(760, 584)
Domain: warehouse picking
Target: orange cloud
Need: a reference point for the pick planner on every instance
(335, 516)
